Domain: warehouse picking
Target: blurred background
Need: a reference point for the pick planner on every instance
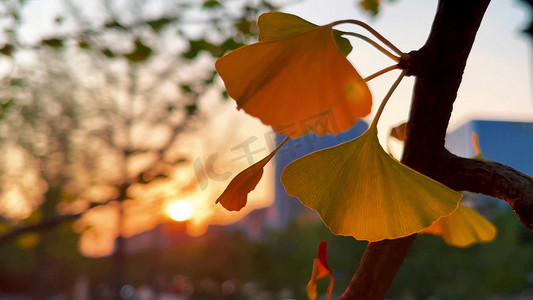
(116, 138)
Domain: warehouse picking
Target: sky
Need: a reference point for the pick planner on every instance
(496, 85)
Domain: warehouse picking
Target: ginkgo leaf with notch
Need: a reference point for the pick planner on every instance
(295, 78)
(361, 191)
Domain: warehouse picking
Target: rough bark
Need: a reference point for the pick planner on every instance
(493, 179)
(438, 67)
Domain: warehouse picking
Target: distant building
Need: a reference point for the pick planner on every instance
(509, 143)
(165, 235)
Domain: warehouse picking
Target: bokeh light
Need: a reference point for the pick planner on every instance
(179, 210)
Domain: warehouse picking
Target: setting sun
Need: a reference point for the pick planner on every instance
(179, 210)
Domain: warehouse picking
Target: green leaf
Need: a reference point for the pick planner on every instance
(211, 4)
(225, 95)
(4, 106)
(229, 44)
(196, 46)
(268, 6)
(191, 109)
(16, 82)
(108, 53)
(210, 79)
(186, 88)
(371, 6)
(344, 44)
(140, 53)
(182, 160)
(158, 24)
(53, 43)
(7, 50)
(114, 24)
(245, 26)
(84, 45)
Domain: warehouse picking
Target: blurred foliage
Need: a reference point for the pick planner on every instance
(102, 56)
(280, 264)
(371, 6)
(81, 95)
(503, 267)
(23, 268)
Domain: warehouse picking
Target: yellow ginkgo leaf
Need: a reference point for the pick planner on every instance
(463, 228)
(235, 195)
(298, 84)
(361, 191)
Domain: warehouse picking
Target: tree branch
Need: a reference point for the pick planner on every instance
(41, 226)
(493, 179)
(46, 224)
(438, 66)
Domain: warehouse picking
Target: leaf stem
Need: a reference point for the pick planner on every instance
(269, 157)
(386, 99)
(373, 43)
(286, 139)
(380, 72)
(373, 32)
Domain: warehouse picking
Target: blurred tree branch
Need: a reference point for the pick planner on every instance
(45, 224)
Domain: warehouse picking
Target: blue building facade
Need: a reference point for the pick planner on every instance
(509, 143)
